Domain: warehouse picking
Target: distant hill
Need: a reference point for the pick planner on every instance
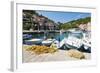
(75, 23)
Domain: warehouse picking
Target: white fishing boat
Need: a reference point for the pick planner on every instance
(70, 42)
(59, 44)
(86, 41)
(73, 42)
(33, 41)
(47, 41)
(62, 42)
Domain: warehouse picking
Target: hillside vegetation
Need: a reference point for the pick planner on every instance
(74, 23)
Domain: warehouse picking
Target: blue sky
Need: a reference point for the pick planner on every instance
(63, 16)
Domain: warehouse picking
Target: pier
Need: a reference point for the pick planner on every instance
(42, 31)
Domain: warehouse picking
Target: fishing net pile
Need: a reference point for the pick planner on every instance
(75, 54)
(41, 49)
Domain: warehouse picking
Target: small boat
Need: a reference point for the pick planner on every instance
(86, 42)
(62, 42)
(33, 41)
(73, 42)
(47, 41)
(70, 42)
(27, 36)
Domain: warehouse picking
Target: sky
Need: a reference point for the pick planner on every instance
(63, 16)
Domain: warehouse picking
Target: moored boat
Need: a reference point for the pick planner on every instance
(47, 41)
(27, 36)
(73, 42)
(33, 41)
